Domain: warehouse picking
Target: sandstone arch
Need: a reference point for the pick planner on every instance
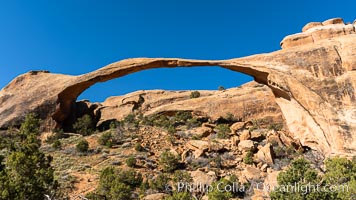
(313, 81)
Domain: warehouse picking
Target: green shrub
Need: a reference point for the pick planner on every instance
(31, 125)
(160, 183)
(171, 130)
(84, 125)
(116, 185)
(57, 144)
(82, 146)
(193, 123)
(256, 124)
(230, 117)
(180, 176)
(299, 173)
(138, 147)
(194, 94)
(216, 162)
(25, 171)
(131, 161)
(221, 194)
(148, 121)
(131, 120)
(221, 88)
(168, 161)
(276, 127)
(113, 125)
(130, 177)
(340, 171)
(183, 116)
(222, 131)
(106, 139)
(179, 196)
(248, 159)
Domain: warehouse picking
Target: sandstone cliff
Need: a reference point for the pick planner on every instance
(313, 79)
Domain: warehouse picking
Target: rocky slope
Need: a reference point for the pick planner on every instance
(313, 80)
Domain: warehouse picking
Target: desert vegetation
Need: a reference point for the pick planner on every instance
(139, 156)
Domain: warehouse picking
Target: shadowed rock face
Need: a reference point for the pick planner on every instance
(313, 83)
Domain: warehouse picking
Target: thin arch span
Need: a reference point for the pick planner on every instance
(68, 96)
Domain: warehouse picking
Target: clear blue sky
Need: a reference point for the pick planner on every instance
(75, 37)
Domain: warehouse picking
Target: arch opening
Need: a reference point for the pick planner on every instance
(67, 98)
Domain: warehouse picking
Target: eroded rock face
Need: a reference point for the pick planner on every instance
(250, 101)
(316, 31)
(313, 84)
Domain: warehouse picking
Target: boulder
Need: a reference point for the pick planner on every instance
(202, 178)
(237, 126)
(246, 145)
(245, 135)
(197, 145)
(257, 135)
(252, 173)
(201, 131)
(266, 154)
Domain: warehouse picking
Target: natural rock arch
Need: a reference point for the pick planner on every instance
(313, 81)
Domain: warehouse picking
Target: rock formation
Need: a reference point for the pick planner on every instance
(248, 102)
(313, 79)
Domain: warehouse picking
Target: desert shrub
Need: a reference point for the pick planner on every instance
(198, 163)
(179, 196)
(31, 125)
(161, 121)
(181, 176)
(116, 185)
(106, 139)
(138, 147)
(160, 183)
(114, 124)
(82, 146)
(84, 125)
(230, 117)
(194, 94)
(183, 116)
(130, 177)
(131, 121)
(276, 127)
(299, 173)
(221, 194)
(256, 124)
(148, 121)
(131, 161)
(222, 131)
(248, 159)
(130, 118)
(57, 144)
(340, 171)
(25, 171)
(171, 130)
(216, 161)
(221, 88)
(193, 123)
(168, 161)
